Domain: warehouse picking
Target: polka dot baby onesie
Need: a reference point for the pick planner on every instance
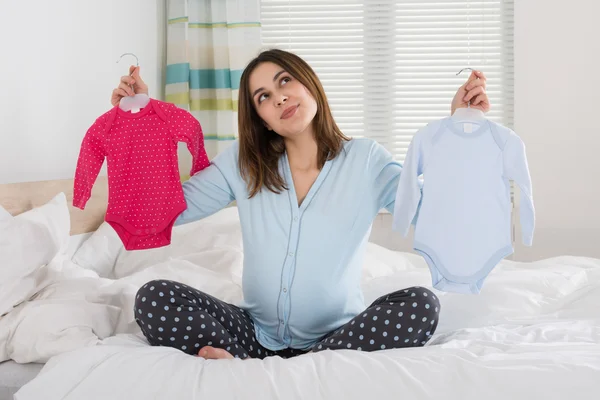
(145, 195)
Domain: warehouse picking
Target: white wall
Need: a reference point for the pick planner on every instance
(557, 81)
(57, 71)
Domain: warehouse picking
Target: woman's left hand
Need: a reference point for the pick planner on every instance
(472, 91)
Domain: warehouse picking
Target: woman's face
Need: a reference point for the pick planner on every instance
(281, 101)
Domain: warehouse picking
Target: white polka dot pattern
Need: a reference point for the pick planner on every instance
(145, 194)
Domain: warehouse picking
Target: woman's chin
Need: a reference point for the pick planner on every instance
(296, 133)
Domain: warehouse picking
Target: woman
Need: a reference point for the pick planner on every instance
(306, 196)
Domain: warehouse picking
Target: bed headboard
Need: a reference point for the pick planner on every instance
(20, 197)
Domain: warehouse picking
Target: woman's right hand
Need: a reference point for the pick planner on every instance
(125, 86)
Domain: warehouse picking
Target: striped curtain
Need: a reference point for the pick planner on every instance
(209, 42)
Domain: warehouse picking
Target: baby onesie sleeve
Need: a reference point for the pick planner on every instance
(212, 188)
(516, 168)
(408, 194)
(91, 157)
(186, 128)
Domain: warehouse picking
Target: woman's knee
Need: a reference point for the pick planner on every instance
(149, 292)
(422, 301)
(430, 296)
(417, 293)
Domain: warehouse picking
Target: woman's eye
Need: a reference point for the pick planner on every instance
(264, 96)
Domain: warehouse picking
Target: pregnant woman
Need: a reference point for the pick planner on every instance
(307, 196)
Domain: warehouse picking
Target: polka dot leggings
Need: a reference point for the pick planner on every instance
(173, 314)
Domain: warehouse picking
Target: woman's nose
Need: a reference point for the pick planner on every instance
(281, 100)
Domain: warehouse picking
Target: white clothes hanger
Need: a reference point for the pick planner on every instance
(136, 102)
(467, 116)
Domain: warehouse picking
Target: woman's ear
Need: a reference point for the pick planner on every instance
(267, 126)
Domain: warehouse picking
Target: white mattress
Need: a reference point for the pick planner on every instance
(533, 332)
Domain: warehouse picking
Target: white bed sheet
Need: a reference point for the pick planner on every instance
(533, 332)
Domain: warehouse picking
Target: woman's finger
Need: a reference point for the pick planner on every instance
(135, 72)
(473, 84)
(480, 75)
(481, 101)
(117, 95)
(477, 75)
(473, 76)
(474, 92)
(123, 93)
(127, 80)
(126, 88)
(114, 98)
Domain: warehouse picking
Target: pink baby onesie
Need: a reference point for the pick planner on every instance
(145, 195)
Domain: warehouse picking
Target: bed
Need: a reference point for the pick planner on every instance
(533, 331)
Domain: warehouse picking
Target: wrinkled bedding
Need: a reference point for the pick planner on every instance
(533, 332)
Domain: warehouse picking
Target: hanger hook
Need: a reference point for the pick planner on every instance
(464, 69)
(137, 63)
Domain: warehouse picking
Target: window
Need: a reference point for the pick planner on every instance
(388, 67)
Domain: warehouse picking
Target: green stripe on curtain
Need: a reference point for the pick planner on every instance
(202, 104)
(179, 20)
(214, 104)
(178, 98)
(214, 136)
(224, 25)
(204, 78)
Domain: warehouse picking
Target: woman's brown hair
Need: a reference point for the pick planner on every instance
(260, 148)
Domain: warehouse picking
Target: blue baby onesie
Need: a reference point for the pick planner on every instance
(464, 224)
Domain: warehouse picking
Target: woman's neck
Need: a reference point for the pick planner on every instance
(302, 152)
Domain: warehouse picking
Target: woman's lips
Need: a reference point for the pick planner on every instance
(289, 112)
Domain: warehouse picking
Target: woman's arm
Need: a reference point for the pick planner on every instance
(211, 189)
(386, 173)
(205, 193)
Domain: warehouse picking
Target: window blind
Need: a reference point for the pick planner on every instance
(389, 66)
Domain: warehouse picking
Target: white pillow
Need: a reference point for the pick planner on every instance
(188, 242)
(104, 253)
(99, 252)
(27, 242)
